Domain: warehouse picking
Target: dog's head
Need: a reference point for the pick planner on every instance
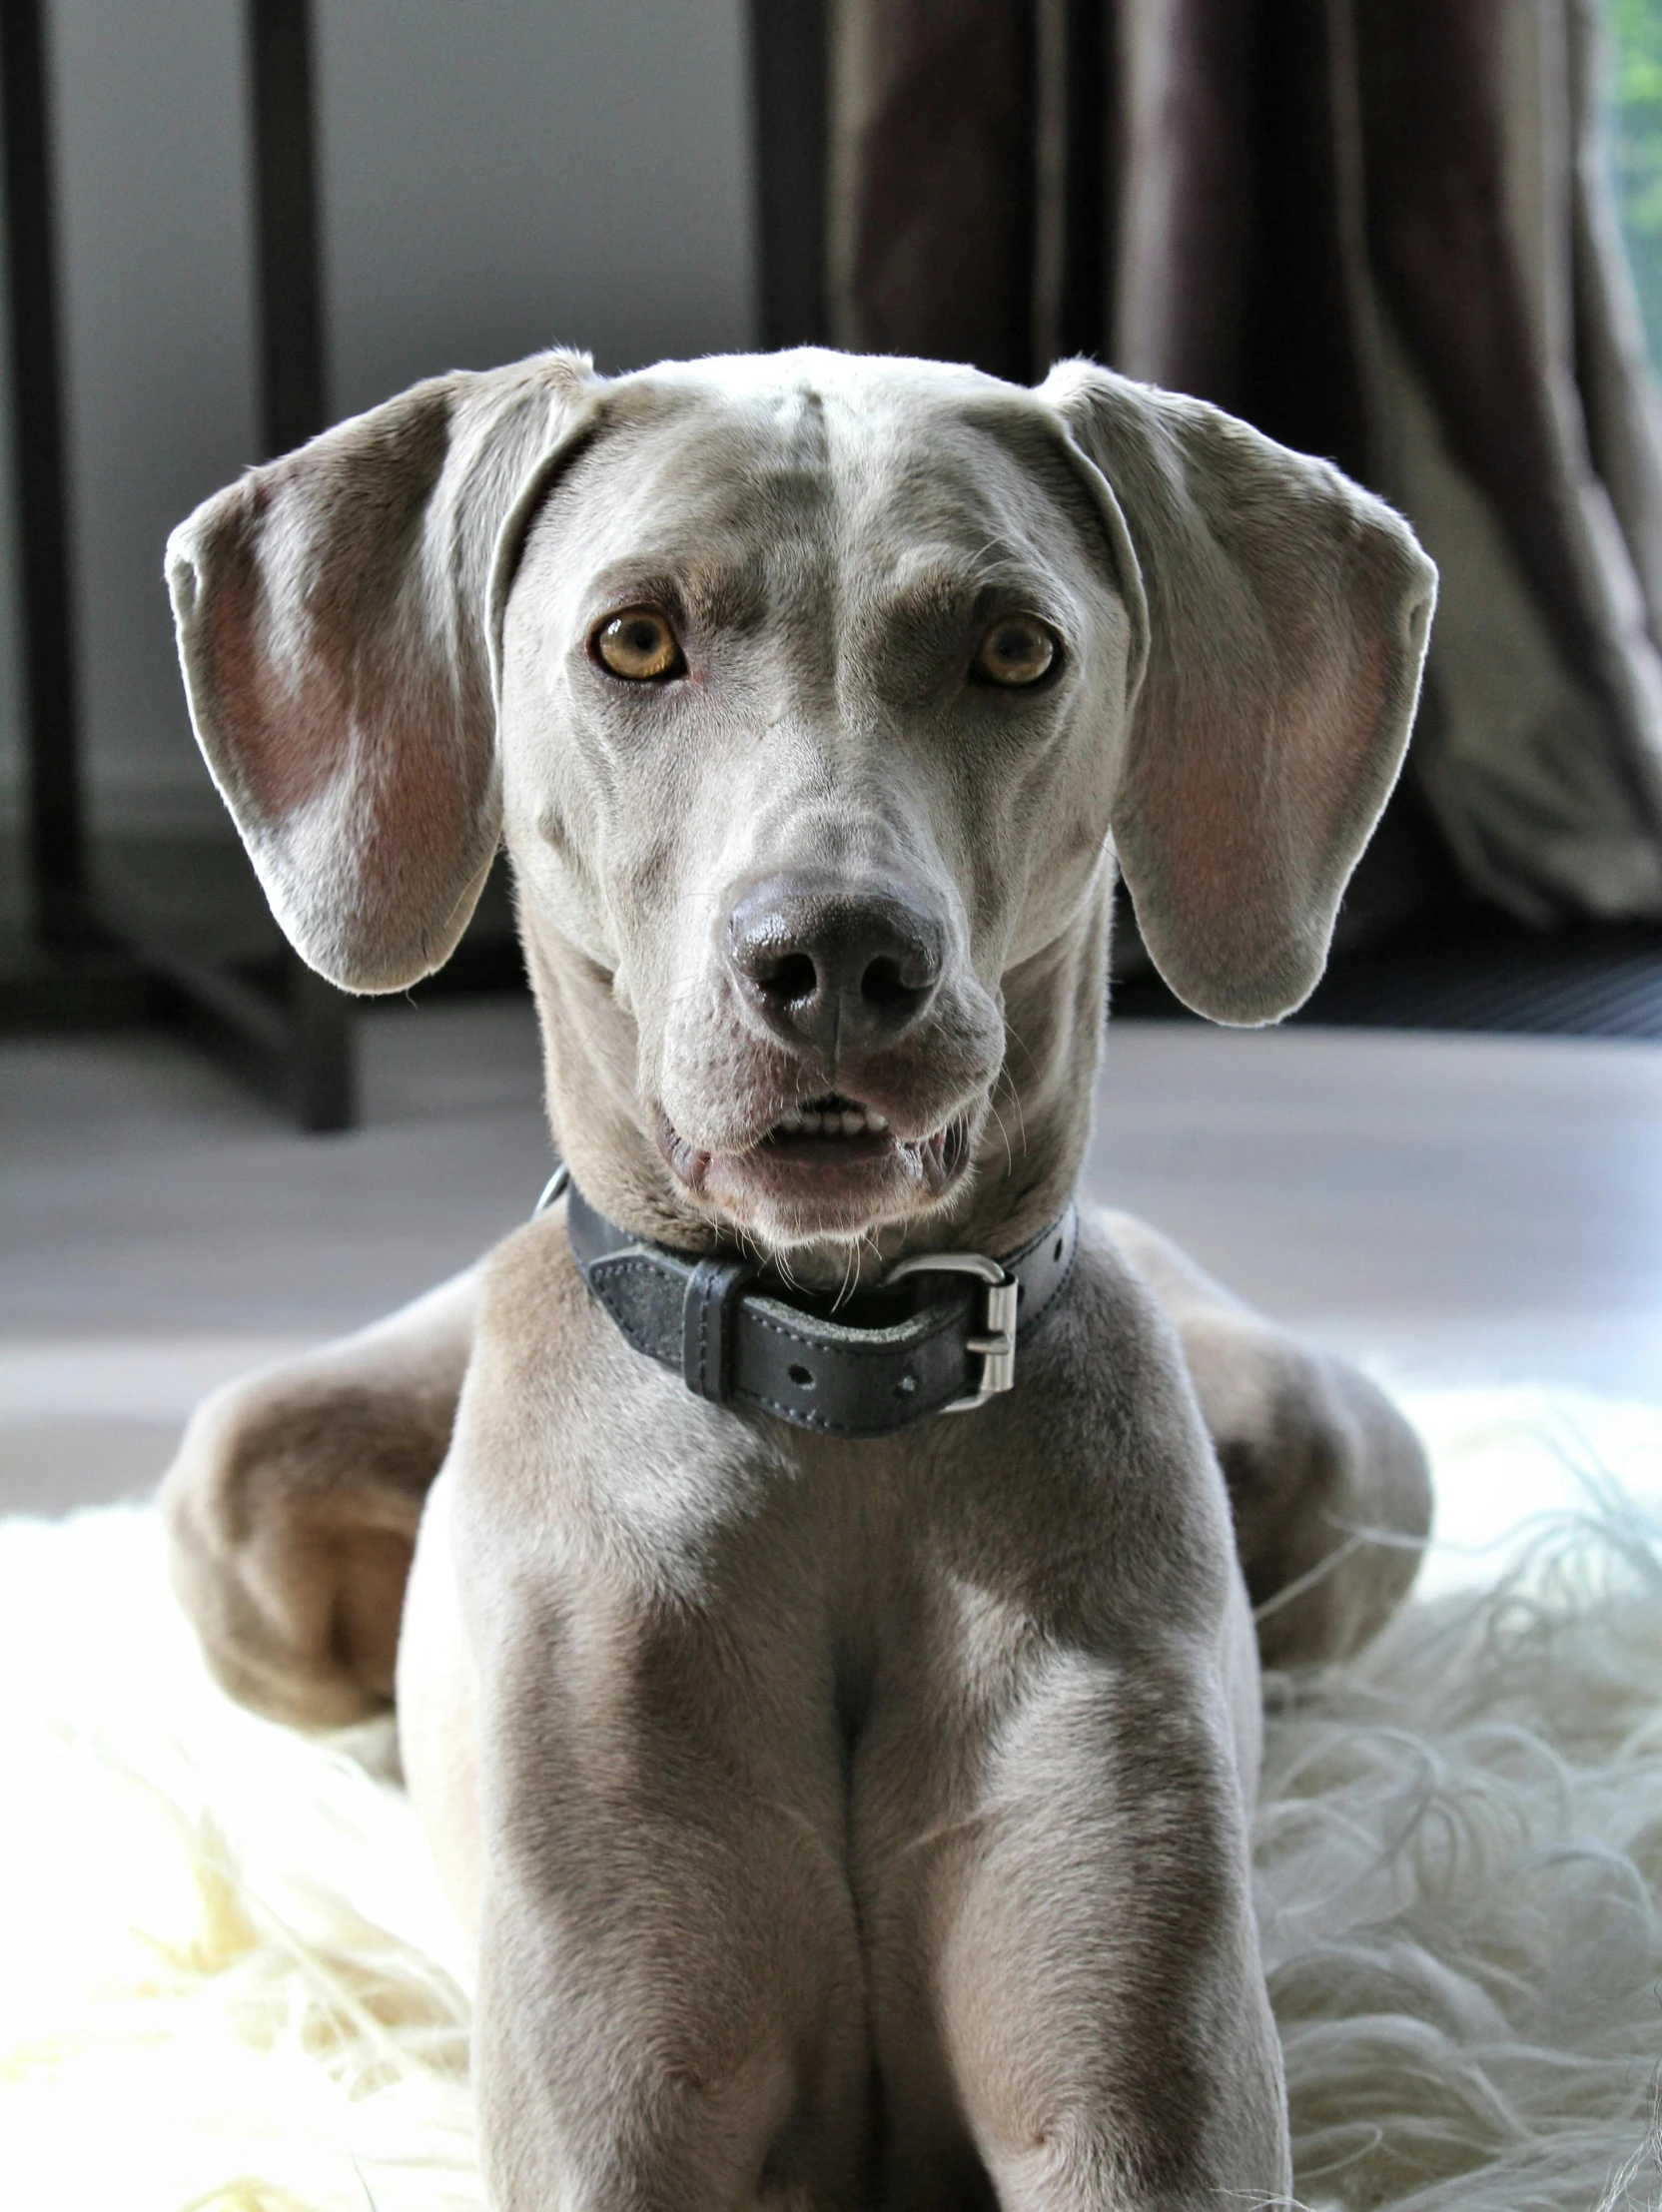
(816, 696)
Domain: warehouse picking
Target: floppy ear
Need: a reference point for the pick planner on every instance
(333, 612)
(1287, 617)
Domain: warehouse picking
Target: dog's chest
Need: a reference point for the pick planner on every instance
(1058, 1510)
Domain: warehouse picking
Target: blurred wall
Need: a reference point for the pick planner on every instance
(496, 175)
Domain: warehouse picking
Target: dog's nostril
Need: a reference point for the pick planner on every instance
(791, 980)
(886, 991)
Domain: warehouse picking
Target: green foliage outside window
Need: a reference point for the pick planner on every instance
(1636, 26)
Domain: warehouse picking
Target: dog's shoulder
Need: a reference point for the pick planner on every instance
(1093, 1484)
(563, 1425)
(1110, 1341)
(534, 1321)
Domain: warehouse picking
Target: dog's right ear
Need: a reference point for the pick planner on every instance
(333, 612)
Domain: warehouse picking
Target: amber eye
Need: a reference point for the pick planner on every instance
(639, 645)
(1016, 650)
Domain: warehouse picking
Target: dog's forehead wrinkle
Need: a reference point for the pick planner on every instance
(705, 478)
(940, 463)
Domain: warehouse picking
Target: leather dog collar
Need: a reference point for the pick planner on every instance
(864, 1366)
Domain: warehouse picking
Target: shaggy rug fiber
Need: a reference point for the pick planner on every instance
(228, 1981)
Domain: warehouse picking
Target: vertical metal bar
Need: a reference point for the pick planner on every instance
(51, 706)
(286, 222)
(1091, 179)
(320, 1072)
(790, 90)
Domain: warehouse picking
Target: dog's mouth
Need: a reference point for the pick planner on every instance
(826, 1127)
(834, 1162)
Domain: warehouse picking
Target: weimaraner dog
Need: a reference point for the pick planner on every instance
(827, 1672)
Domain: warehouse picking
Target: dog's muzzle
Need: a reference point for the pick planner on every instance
(864, 1366)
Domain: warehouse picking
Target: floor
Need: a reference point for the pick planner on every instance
(1456, 1211)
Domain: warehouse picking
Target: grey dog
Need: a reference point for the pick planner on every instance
(827, 1670)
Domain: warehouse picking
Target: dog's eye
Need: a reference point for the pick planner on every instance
(1018, 650)
(639, 645)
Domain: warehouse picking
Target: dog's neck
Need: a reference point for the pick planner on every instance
(1026, 1164)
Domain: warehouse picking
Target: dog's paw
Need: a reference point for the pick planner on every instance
(291, 1510)
(1328, 1482)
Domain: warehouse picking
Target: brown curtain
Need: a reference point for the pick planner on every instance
(1381, 229)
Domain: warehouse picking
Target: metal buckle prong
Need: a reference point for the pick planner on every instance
(997, 1345)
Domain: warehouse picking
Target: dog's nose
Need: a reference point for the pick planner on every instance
(842, 967)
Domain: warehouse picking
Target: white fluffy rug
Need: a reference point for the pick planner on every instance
(227, 1978)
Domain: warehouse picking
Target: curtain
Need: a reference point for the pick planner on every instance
(1381, 229)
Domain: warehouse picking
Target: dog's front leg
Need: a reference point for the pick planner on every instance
(670, 2004)
(1329, 1484)
(1108, 2025)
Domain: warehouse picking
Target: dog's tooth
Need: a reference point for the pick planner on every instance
(809, 1122)
(876, 1122)
(790, 1120)
(853, 1124)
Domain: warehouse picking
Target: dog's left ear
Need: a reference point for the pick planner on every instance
(1288, 616)
(335, 613)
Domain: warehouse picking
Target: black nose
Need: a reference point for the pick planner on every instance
(839, 965)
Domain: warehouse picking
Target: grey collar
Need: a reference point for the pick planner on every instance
(890, 1355)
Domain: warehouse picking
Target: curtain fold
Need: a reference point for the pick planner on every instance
(1381, 229)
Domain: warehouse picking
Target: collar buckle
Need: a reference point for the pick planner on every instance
(552, 1191)
(997, 1342)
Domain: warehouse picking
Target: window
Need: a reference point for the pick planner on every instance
(1636, 26)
